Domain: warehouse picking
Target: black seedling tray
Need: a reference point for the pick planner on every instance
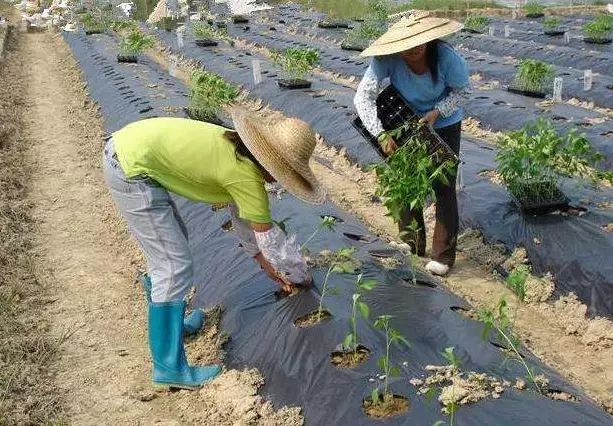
(215, 120)
(472, 31)
(90, 32)
(539, 206)
(554, 33)
(294, 84)
(332, 24)
(597, 40)
(240, 19)
(539, 95)
(131, 59)
(394, 111)
(206, 43)
(535, 15)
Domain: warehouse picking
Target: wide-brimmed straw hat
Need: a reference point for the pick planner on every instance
(411, 32)
(284, 149)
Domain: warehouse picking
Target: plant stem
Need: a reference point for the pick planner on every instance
(387, 358)
(355, 331)
(521, 359)
(310, 238)
(323, 292)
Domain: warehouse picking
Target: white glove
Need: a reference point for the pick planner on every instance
(283, 254)
(244, 231)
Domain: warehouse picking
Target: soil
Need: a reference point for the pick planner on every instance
(312, 318)
(350, 359)
(81, 244)
(389, 406)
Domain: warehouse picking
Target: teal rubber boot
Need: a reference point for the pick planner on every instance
(192, 323)
(170, 367)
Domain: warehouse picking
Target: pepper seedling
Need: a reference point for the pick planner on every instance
(342, 264)
(327, 222)
(351, 341)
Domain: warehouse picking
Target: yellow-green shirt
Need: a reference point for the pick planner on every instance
(193, 159)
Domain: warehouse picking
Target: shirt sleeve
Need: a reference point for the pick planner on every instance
(251, 200)
(365, 99)
(455, 72)
(244, 231)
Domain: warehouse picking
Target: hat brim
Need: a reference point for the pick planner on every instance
(298, 179)
(379, 48)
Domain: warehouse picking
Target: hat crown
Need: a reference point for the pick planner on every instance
(294, 140)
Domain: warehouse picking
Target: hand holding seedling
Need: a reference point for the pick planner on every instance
(430, 117)
(286, 285)
(389, 146)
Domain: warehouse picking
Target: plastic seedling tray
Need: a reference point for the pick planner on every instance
(472, 31)
(127, 58)
(535, 15)
(240, 19)
(541, 204)
(517, 90)
(215, 120)
(90, 32)
(294, 84)
(206, 42)
(394, 111)
(554, 33)
(597, 40)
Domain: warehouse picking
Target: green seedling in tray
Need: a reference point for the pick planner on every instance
(358, 306)
(534, 76)
(599, 30)
(296, 62)
(204, 31)
(208, 94)
(374, 25)
(551, 24)
(123, 25)
(135, 42)
(533, 9)
(476, 23)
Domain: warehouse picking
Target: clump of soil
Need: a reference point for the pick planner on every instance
(389, 406)
(465, 312)
(350, 359)
(518, 257)
(539, 289)
(608, 227)
(389, 262)
(326, 257)
(206, 347)
(471, 243)
(459, 387)
(543, 383)
(312, 318)
(493, 177)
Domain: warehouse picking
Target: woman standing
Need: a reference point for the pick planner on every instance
(432, 77)
(147, 160)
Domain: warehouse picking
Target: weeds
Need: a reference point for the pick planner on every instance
(296, 62)
(327, 222)
(477, 23)
(351, 341)
(121, 26)
(534, 76)
(374, 25)
(208, 94)
(135, 42)
(517, 279)
(498, 320)
(392, 337)
(94, 22)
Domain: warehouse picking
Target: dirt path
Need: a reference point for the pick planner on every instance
(84, 254)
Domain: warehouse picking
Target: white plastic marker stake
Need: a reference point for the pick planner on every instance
(180, 37)
(514, 14)
(558, 83)
(257, 71)
(566, 37)
(172, 66)
(507, 31)
(491, 31)
(587, 80)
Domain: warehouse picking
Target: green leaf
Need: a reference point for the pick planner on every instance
(382, 363)
(368, 284)
(348, 341)
(394, 372)
(364, 310)
(374, 395)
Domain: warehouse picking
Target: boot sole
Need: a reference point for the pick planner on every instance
(167, 386)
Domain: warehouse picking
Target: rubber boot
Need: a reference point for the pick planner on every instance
(170, 367)
(192, 323)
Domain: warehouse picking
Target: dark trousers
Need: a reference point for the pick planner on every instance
(446, 228)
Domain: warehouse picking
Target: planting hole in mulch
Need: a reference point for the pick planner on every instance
(336, 219)
(465, 312)
(419, 283)
(205, 43)
(294, 84)
(539, 95)
(355, 47)
(505, 349)
(356, 237)
(350, 359)
(558, 395)
(390, 405)
(554, 33)
(312, 318)
(227, 226)
(130, 59)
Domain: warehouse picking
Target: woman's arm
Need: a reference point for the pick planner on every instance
(365, 99)
(454, 100)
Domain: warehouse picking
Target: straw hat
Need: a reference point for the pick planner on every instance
(284, 149)
(411, 32)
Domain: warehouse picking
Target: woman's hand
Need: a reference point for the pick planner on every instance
(389, 146)
(286, 286)
(431, 117)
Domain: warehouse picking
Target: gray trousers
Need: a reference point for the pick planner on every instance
(154, 221)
